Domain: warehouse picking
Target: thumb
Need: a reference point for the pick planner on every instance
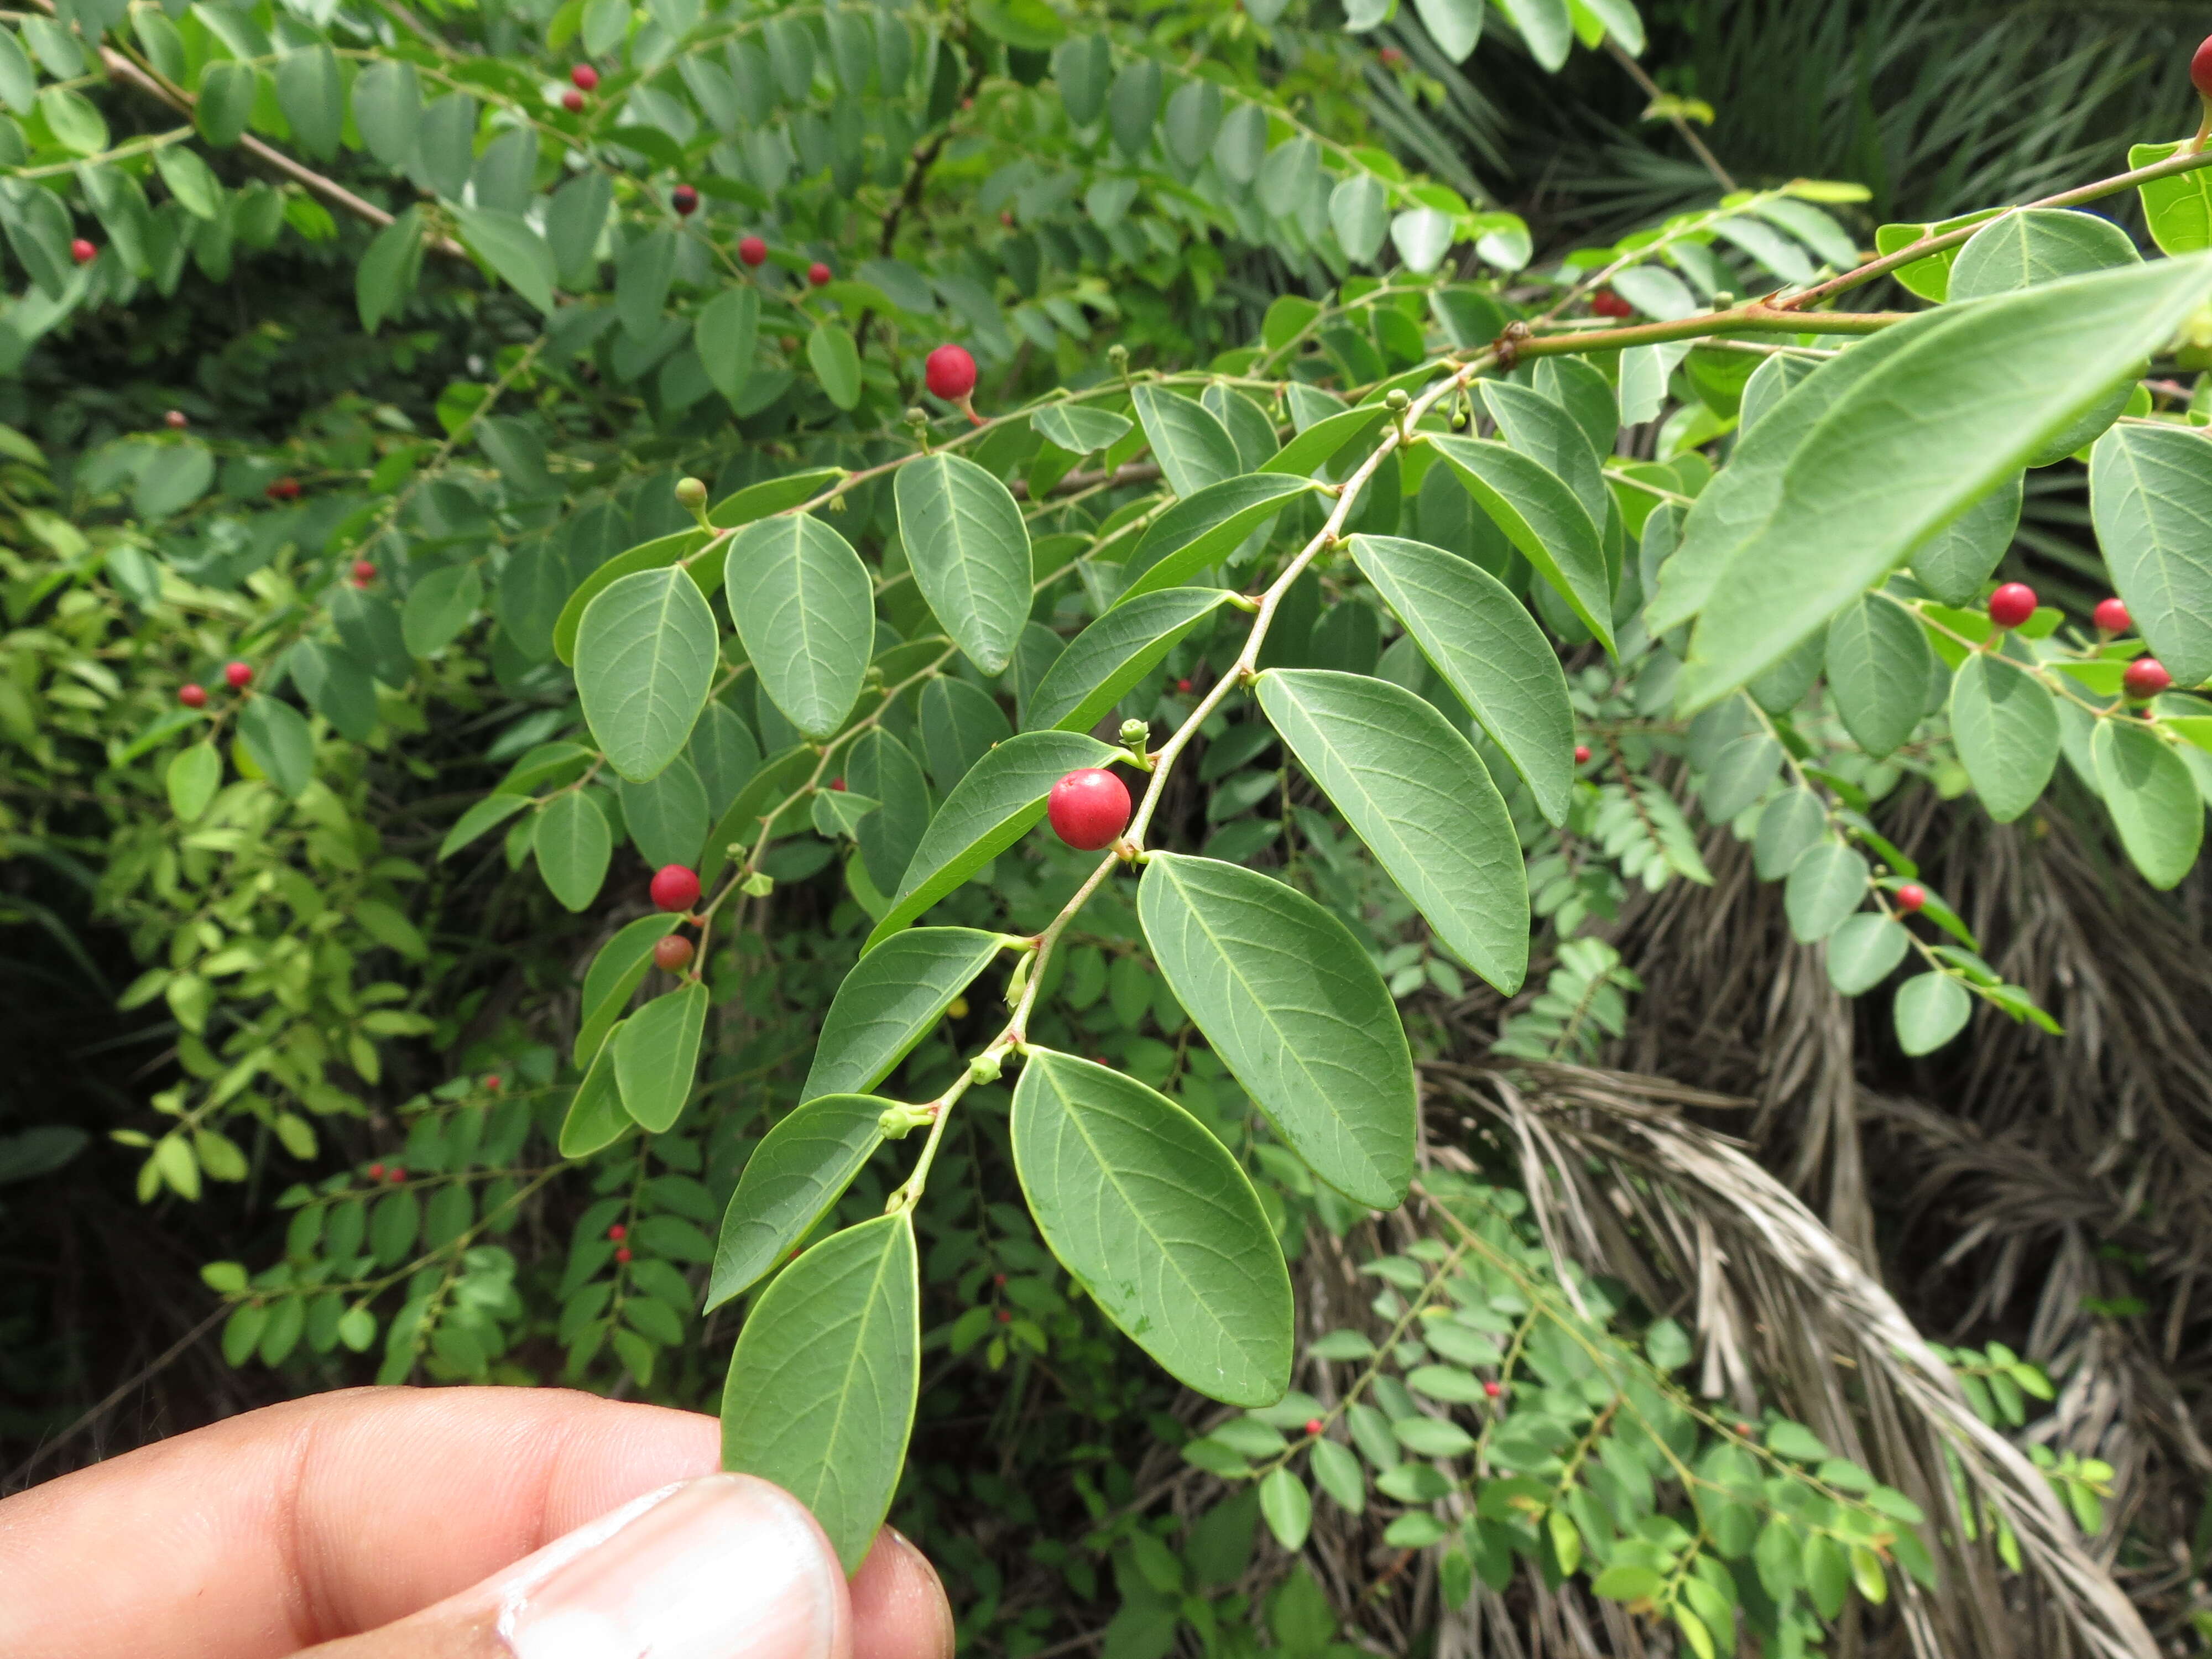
(726, 1566)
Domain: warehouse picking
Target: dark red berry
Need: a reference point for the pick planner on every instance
(671, 955)
(376, 1172)
(396, 1174)
(1391, 56)
(284, 489)
(1000, 1279)
(1582, 754)
(1606, 303)
(1183, 687)
(175, 420)
(492, 1082)
(949, 373)
(675, 887)
(685, 200)
(2012, 604)
(240, 675)
(572, 101)
(584, 77)
(364, 571)
(1494, 1389)
(2113, 617)
(1313, 1426)
(2146, 678)
(1090, 808)
(622, 1253)
(752, 251)
(2200, 69)
(83, 252)
(837, 784)
(192, 696)
(1005, 1317)
(617, 1233)
(1912, 896)
(818, 274)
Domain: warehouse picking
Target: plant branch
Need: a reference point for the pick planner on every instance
(1636, 73)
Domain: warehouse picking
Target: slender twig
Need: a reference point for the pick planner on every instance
(116, 1397)
(1689, 133)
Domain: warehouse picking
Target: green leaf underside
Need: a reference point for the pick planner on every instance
(2153, 799)
(644, 661)
(771, 497)
(821, 1392)
(1489, 650)
(2150, 495)
(595, 1119)
(1204, 528)
(572, 841)
(1192, 448)
(1930, 1010)
(806, 610)
(1077, 429)
(801, 1167)
(987, 812)
(1294, 1006)
(657, 1055)
(616, 972)
(1964, 398)
(1153, 1218)
(891, 999)
(1864, 951)
(1878, 662)
(1542, 517)
(1417, 794)
(2006, 727)
(970, 554)
(1104, 662)
(651, 556)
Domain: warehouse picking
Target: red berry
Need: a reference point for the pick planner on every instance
(83, 252)
(572, 101)
(2113, 617)
(2146, 678)
(175, 420)
(675, 887)
(818, 274)
(1606, 303)
(949, 373)
(239, 674)
(491, 1081)
(1391, 56)
(585, 77)
(1912, 896)
(376, 1172)
(752, 251)
(192, 696)
(2012, 604)
(1313, 1426)
(396, 1174)
(1007, 217)
(2200, 69)
(1183, 687)
(1090, 808)
(1005, 1317)
(617, 1233)
(364, 571)
(284, 489)
(1000, 1279)
(685, 200)
(1582, 754)
(838, 784)
(1494, 1389)
(622, 1253)
(671, 955)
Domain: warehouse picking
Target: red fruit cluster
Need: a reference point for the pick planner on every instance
(2113, 617)
(284, 489)
(192, 696)
(584, 77)
(949, 373)
(1912, 898)
(818, 274)
(672, 954)
(572, 101)
(2012, 604)
(752, 251)
(238, 674)
(83, 252)
(675, 887)
(1089, 809)
(2146, 678)
(1606, 303)
(685, 200)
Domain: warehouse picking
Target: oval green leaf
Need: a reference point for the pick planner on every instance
(616, 971)
(1204, 528)
(1930, 1011)
(1827, 883)
(1192, 448)
(891, 999)
(1544, 519)
(595, 1119)
(574, 842)
(1104, 662)
(2006, 727)
(1878, 663)
(2150, 495)
(970, 553)
(1077, 429)
(801, 1167)
(2152, 797)
(645, 661)
(650, 555)
(657, 1056)
(1864, 951)
(806, 610)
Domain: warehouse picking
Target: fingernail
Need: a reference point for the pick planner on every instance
(718, 1566)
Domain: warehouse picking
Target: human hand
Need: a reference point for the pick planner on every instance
(448, 1523)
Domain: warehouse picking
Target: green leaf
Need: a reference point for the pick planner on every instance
(1192, 448)
(193, 775)
(1533, 425)
(2153, 799)
(1337, 1472)
(2150, 495)
(190, 181)
(657, 1056)
(173, 478)
(2037, 245)
(1415, 790)
(1359, 208)
(387, 108)
(1321, 441)
(806, 610)
(821, 1392)
(1827, 883)
(1878, 664)
(1288, 1508)
(987, 812)
(1789, 825)
(801, 1167)
(890, 999)
(517, 254)
(389, 269)
(879, 765)
(573, 843)
(1077, 429)
(1155, 1221)
(1544, 519)
(1203, 529)
(1290, 1002)
(1864, 951)
(835, 361)
(1955, 563)
(970, 553)
(312, 97)
(644, 661)
(658, 554)
(772, 496)
(960, 722)
(438, 606)
(615, 975)
(1931, 1009)
(1929, 276)
(1489, 650)
(277, 737)
(725, 333)
(481, 820)
(595, 1119)
(1104, 662)
(666, 816)
(2006, 727)
(225, 103)
(1741, 773)
(74, 119)
(2178, 209)
(1546, 26)
(1964, 398)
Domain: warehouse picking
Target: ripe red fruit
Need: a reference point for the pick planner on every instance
(83, 252)
(175, 420)
(1582, 754)
(1090, 808)
(1494, 1389)
(838, 784)
(239, 674)
(752, 251)
(1313, 1426)
(2146, 678)
(491, 1081)
(1606, 303)
(1005, 1317)
(617, 1233)
(675, 887)
(284, 489)
(2012, 604)
(949, 373)
(1183, 687)
(1912, 896)
(2111, 616)
(818, 274)
(998, 1279)
(671, 955)
(2200, 69)
(572, 101)
(685, 200)
(622, 1253)
(364, 571)
(192, 696)
(376, 1172)
(585, 77)
(396, 1174)
(1391, 56)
